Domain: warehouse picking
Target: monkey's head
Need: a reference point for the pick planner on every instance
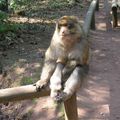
(68, 29)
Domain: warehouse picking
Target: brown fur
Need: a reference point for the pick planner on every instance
(68, 44)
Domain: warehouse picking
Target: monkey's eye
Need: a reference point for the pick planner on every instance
(70, 26)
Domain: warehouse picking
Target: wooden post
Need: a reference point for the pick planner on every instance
(114, 16)
(90, 17)
(114, 13)
(71, 108)
(1, 68)
(97, 5)
(93, 21)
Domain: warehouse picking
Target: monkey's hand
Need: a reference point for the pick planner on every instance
(40, 84)
(61, 97)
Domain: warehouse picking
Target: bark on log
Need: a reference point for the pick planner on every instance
(21, 93)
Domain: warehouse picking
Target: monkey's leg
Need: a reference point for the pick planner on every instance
(56, 81)
(47, 72)
(72, 84)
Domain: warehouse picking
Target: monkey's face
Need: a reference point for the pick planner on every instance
(68, 31)
(67, 26)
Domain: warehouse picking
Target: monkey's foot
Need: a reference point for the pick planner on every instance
(40, 85)
(61, 97)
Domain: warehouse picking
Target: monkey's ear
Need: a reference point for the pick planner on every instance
(57, 21)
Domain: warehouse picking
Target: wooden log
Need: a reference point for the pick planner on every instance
(21, 93)
(71, 108)
(89, 17)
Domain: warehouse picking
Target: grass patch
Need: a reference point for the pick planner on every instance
(26, 81)
(55, 4)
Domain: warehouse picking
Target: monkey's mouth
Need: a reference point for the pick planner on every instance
(66, 35)
(63, 35)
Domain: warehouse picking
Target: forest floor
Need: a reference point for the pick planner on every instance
(99, 100)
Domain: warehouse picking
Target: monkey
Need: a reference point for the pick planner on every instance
(69, 48)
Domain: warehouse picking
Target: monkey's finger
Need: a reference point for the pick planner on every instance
(58, 99)
(61, 97)
(39, 87)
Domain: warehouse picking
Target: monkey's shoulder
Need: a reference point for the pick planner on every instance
(55, 52)
(79, 51)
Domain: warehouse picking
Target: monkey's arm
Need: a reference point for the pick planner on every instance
(47, 72)
(56, 80)
(48, 68)
(73, 82)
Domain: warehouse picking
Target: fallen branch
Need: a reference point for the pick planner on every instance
(21, 93)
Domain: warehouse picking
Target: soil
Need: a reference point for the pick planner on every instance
(98, 100)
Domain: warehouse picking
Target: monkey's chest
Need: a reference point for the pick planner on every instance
(72, 55)
(69, 42)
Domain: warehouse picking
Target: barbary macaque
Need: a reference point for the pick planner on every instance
(69, 48)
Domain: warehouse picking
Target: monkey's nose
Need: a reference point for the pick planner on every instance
(64, 33)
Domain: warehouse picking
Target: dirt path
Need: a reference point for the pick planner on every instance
(101, 100)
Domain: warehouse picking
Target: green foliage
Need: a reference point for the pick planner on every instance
(55, 4)
(5, 25)
(3, 16)
(58, 3)
(2, 2)
(18, 4)
(26, 81)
